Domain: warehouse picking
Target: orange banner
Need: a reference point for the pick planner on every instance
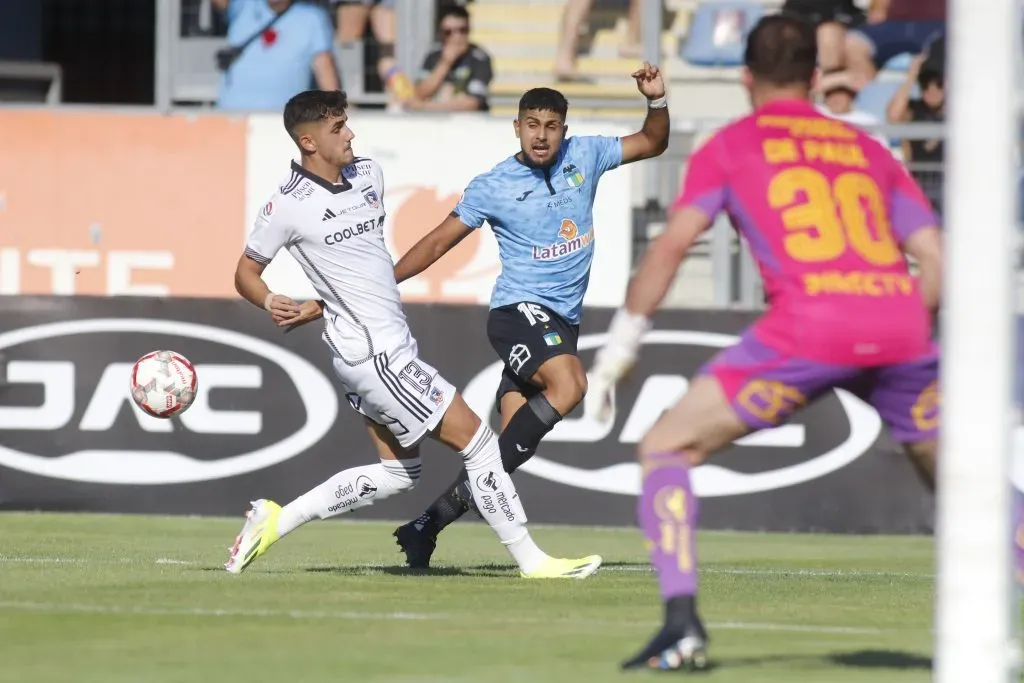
(120, 203)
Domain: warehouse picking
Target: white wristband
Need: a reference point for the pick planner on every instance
(659, 103)
(266, 302)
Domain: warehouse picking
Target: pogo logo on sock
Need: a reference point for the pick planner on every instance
(487, 482)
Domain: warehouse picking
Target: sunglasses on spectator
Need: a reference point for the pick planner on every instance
(452, 31)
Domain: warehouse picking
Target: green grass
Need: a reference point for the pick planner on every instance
(109, 599)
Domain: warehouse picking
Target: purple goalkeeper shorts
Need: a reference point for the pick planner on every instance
(765, 387)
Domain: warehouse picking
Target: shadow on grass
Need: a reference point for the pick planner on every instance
(859, 659)
(399, 570)
(880, 659)
(491, 569)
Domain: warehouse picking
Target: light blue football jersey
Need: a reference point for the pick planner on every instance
(543, 220)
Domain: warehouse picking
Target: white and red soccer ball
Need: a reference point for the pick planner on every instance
(163, 383)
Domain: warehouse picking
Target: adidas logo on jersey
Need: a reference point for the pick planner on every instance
(329, 214)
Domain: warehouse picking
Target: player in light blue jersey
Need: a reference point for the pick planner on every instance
(540, 205)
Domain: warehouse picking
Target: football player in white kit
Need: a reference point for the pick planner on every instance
(329, 215)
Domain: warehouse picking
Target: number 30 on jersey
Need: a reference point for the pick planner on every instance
(846, 214)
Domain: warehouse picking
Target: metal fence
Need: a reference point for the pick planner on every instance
(190, 32)
(720, 272)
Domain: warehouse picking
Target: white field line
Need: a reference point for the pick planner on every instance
(754, 571)
(83, 608)
(737, 571)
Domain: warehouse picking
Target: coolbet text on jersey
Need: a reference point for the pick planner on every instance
(543, 219)
(825, 210)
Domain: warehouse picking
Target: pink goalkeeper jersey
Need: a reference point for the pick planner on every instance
(824, 209)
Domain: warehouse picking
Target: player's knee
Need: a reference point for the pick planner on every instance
(664, 438)
(567, 392)
(583, 383)
(406, 483)
(564, 380)
(579, 385)
(400, 476)
(656, 441)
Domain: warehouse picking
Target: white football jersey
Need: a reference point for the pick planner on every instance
(336, 233)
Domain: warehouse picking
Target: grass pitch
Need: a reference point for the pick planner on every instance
(111, 599)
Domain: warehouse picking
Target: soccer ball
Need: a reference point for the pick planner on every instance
(163, 383)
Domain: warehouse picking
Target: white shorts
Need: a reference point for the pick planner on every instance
(398, 390)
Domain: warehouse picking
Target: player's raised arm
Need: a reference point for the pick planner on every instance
(652, 138)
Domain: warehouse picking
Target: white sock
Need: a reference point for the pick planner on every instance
(348, 490)
(497, 501)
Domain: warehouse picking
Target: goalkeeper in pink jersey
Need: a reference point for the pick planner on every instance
(828, 214)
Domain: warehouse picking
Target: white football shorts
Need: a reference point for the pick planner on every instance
(397, 389)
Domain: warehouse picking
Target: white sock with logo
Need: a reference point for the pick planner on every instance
(348, 490)
(497, 501)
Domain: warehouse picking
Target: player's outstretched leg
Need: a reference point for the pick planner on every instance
(667, 512)
(525, 424)
(519, 439)
(496, 498)
(267, 522)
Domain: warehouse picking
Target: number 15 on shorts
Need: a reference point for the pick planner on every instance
(533, 313)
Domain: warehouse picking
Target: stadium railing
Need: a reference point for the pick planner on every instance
(31, 81)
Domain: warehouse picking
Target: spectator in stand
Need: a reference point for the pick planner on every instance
(456, 74)
(353, 16)
(923, 157)
(894, 27)
(832, 19)
(277, 48)
(838, 102)
(574, 15)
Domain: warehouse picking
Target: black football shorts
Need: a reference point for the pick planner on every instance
(524, 335)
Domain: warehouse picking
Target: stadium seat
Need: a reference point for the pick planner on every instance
(194, 75)
(718, 31)
(351, 68)
(875, 96)
(900, 62)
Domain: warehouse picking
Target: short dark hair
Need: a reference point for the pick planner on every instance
(452, 11)
(544, 99)
(928, 76)
(782, 50)
(311, 106)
